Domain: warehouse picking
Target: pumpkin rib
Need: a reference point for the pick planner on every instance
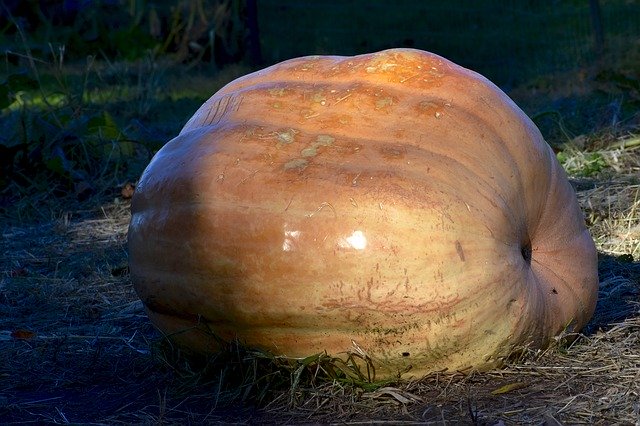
(272, 75)
(421, 307)
(552, 186)
(587, 308)
(558, 325)
(347, 184)
(501, 143)
(328, 84)
(411, 174)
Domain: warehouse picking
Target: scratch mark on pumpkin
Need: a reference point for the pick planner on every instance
(221, 108)
(322, 206)
(459, 250)
(288, 204)
(206, 119)
(252, 174)
(402, 80)
(342, 98)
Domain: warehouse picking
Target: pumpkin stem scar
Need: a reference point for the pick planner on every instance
(525, 250)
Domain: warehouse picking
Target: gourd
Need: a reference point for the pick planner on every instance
(393, 200)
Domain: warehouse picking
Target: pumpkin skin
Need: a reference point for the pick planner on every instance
(394, 199)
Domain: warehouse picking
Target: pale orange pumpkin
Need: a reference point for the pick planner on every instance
(393, 200)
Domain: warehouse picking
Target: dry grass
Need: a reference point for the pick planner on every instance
(76, 347)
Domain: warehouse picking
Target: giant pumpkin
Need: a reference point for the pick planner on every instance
(394, 200)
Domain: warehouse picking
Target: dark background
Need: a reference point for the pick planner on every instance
(509, 41)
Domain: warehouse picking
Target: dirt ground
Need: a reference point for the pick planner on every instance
(76, 346)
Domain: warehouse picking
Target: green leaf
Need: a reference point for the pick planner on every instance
(562, 157)
(103, 126)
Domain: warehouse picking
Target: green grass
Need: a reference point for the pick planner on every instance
(76, 132)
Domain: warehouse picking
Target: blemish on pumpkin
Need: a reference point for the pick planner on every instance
(430, 108)
(309, 152)
(286, 136)
(321, 140)
(344, 119)
(325, 140)
(354, 181)
(434, 72)
(309, 65)
(383, 103)
(297, 163)
(392, 153)
(278, 91)
(459, 250)
(319, 98)
(309, 113)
